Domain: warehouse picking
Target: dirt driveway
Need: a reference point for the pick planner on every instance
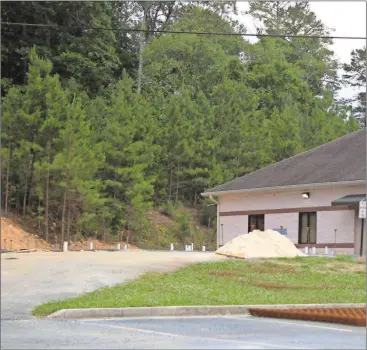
(29, 279)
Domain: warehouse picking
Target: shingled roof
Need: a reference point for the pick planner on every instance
(343, 159)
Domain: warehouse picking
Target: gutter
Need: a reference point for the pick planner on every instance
(285, 188)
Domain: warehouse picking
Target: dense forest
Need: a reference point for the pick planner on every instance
(101, 122)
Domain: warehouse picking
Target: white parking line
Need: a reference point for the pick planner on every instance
(140, 330)
(272, 320)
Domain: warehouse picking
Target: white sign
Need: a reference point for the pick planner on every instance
(362, 209)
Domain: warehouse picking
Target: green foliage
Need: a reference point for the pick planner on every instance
(184, 220)
(89, 155)
(355, 76)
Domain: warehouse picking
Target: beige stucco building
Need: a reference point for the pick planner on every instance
(313, 198)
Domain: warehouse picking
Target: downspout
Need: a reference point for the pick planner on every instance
(213, 200)
(218, 218)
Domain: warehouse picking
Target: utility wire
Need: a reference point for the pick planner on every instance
(187, 32)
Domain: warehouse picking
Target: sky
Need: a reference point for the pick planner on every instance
(347, 18)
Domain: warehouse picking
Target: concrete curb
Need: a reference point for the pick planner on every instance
(183, 310)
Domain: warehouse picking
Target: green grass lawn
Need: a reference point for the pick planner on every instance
(301, 280)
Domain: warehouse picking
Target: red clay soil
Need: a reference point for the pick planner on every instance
(350, 316)
(14, 237)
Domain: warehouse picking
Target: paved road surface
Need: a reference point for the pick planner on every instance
(180, 333)
(31, 279)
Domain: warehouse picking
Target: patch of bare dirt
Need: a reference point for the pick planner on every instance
(14, 237)
(256, 269)
(282, 286)
(159, 219)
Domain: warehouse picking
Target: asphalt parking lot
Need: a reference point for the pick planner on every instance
(31, 279)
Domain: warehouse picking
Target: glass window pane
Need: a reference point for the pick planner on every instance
(313, 228)
(307, 228)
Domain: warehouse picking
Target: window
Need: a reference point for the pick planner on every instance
(307, 228)
(256, 222)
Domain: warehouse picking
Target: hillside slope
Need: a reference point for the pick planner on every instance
(180, 226)
(14, 237)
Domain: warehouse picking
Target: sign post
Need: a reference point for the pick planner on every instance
(362, 215)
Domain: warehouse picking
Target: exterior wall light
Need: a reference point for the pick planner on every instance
(306, 195)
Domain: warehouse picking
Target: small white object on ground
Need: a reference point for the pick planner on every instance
(172, 247)
(125, 246)
(204, 248)
(260, 244)
(326, 251)
(65, 247)
(91, 245)
(118, 247)
(306, 250)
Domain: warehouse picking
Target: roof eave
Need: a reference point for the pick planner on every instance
(290, 187)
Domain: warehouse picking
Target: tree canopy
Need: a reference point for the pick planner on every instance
(85, 151)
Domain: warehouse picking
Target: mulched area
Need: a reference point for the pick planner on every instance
(350, 316)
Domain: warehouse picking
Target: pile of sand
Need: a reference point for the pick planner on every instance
(260, 244)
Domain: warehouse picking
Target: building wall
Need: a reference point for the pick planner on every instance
(287, 220)
(233, 226)
(293, 199)
(344, 221)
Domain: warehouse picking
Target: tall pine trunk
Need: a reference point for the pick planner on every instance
(170, 185)
(103, 228)
(31, 182)
(7, 180)
(25, 185)
(68, 226)
(47, 188)
(63, 215)
(39, 218)
(177, 182)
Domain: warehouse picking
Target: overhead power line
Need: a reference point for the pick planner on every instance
(186, 32)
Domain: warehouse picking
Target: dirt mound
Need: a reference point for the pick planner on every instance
(13, 237)
(260, 244)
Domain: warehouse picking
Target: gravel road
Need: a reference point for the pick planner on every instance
(30, 279)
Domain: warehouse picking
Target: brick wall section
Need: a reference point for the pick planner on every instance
(328, 221)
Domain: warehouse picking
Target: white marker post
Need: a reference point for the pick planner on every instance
(91, 245)
(192, 247)
(204, 248)
(313, 250)
(65, 247)
(172, 247)
(326, 251)
(306, 250)
(125, 246)
(118, 246)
